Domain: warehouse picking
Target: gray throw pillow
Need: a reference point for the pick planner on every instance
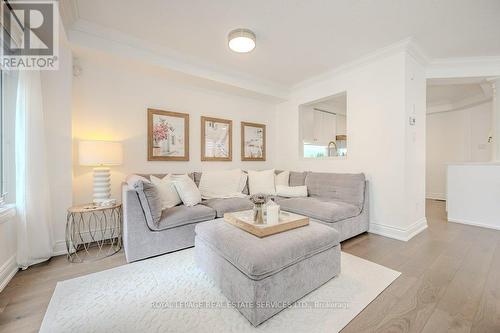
(150, 200)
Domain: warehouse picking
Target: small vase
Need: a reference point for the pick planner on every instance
(258, 216)
(165, 146)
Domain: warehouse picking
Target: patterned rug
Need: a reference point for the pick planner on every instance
(170, 294)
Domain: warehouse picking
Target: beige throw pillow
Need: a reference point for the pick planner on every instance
(282, 178)
(168, 193)
(222, 184)
(261, 182)
(187, 190)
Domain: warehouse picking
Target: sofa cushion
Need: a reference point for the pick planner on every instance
(162, 175)
(228, 205)
(182, 215)
(291, 191)
(282, 178)
(349, 188)
(259, 258)
(168, 194)
(221, 184)
(261, 182)
(326, 211)
(150, 200)
(297, 178)
(187, 190)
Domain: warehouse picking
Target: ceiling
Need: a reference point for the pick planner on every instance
(297, 39)
(336, 104)
(451, 94)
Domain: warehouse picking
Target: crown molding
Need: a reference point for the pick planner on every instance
(408, 45)
(82, 33)
(69, 13)
(459, 105)
(92, 36)
(463, 67)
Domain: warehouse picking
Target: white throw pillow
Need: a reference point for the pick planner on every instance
(169, 196)
(222, 184)
(187, 190)
(133, 180)
(282, 178)
(261, 182)
(291, 191)
(243, 182)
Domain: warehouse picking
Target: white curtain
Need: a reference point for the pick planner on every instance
(34, 243)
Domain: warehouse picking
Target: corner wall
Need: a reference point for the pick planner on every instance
(377, 110)
(110, 102)
(455, 136)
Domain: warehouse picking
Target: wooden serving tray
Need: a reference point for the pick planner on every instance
(244, 221)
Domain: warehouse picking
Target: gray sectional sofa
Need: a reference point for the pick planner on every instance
(336, 200)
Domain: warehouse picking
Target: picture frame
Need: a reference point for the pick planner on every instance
(168, 136)
(253, 141)
(216, 139)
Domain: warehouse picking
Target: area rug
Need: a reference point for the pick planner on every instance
(170, 294)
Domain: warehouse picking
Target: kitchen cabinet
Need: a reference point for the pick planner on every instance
(318, 128)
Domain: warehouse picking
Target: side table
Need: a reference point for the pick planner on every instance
(93, 232)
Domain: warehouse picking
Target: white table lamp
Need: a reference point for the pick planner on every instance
(100, 155)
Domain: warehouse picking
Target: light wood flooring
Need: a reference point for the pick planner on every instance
(450, 281)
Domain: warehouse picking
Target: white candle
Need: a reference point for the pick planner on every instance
(273, 214)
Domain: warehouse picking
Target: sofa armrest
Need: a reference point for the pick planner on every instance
(134, 220)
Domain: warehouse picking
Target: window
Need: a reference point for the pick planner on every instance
(312, 151)
(8, 95)
(323, 127)
(2, 181)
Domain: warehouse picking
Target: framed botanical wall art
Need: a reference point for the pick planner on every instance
(168, 136)
(253, 142)
(216, 139)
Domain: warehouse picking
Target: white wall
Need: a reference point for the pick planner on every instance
(455, 136)
(56, 90)
(415, 102)
(376, 128)
(110, 101)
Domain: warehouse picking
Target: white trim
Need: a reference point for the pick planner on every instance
(436, 196)
(69, 12)
(399, 233)
(460, 105)
(59, 248)
(7, 271)
(94, 36)
(463, 67)
(475, 224)
(7, 213)
(406, 45)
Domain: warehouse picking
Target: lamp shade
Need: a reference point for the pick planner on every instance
(95, 153)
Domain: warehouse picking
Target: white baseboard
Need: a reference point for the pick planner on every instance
(436, 196)
(59, 248)
(399, 233)
(475, 224)
(7, 271)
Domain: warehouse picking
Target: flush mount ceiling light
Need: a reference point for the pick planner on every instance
(241, 40)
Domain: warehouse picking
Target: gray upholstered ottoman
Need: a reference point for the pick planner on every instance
(262, 276)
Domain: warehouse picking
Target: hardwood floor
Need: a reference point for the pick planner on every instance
(450, 281)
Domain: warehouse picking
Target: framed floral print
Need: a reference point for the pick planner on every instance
(253, 142)
(216, 139)
(168, 136)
